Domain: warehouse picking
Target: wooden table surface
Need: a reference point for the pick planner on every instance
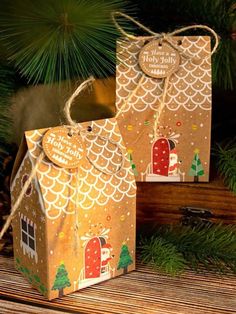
(143, 291)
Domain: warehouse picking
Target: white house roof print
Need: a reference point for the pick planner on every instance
(61, 187)
(189, 87)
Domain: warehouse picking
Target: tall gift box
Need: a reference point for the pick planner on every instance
(75, 226)
(163, 100)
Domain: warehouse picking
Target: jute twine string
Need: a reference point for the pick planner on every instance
(164, 37)
(160, 35)
(77, 128)
(74, 127)
(22, 193)
(161, 107)
(69, 102)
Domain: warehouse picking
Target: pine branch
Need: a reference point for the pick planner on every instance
(226, 163)
(213, 245)
(172, 249)
(224, 67)
(7, 86)
(161, 255)
(58, 40)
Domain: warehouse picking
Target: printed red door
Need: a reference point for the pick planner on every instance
(93, 258)
(160, 157)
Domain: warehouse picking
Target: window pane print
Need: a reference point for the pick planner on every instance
(28, 234)
(31, 243)
(24, 225)
(31, 231)
(24, 237)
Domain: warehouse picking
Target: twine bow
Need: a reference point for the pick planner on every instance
(73, 128)
(163, 37)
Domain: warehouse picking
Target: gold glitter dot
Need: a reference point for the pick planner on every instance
(122, 217)
(61, 235)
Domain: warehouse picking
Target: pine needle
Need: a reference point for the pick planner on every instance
(213, 245)
(58, 40)
(172, 249)
(7, 86)
(226, 163)
(161, 255)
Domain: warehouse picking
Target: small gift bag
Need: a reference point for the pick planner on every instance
(74, 197)
(163, 99)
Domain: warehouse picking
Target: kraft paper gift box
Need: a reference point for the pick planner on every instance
(177, 148)
(74, 227)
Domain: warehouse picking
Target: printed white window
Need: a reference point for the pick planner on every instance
(28, 237)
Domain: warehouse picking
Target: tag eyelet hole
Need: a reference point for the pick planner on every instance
(89, 128)
(69, 134)
(160, 44)
(179, 42)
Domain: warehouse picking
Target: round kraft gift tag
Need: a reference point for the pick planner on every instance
(158, 59)
(62, 148)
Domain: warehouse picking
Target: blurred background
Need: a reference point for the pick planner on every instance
(48, 47)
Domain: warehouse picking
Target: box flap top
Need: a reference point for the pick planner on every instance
(60, 187)
(27, 145)
(19, 157)
(189, 86)
(34, 143)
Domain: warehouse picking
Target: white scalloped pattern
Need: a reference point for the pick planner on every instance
(189, 87)
(59, 186)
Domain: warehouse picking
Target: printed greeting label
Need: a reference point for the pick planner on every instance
(62, 148)
(158, 59)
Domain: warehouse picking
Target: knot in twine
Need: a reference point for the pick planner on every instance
(69, 102)
(154, 35)
(74, 128)
(163, 37)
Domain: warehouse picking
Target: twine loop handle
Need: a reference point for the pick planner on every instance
(75, 126)
(69, 102)
(21, 195)
(154, 35)
(163, 37)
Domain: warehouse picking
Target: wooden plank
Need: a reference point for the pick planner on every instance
(160, 202)
(8, 307)
(139, 292)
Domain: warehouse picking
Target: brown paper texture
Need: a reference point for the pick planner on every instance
(181, 152)
(54, 256)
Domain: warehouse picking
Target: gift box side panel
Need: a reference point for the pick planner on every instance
(106, 217)
(105, 229)
(190, 152)
(29, 230)
(117, 217)
(101, 247)
(182, 138)
(57, 193)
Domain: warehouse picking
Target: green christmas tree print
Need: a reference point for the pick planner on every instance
(125, 259)
(134, 169)
(196, 169)
(33, 279)
(61, 281)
